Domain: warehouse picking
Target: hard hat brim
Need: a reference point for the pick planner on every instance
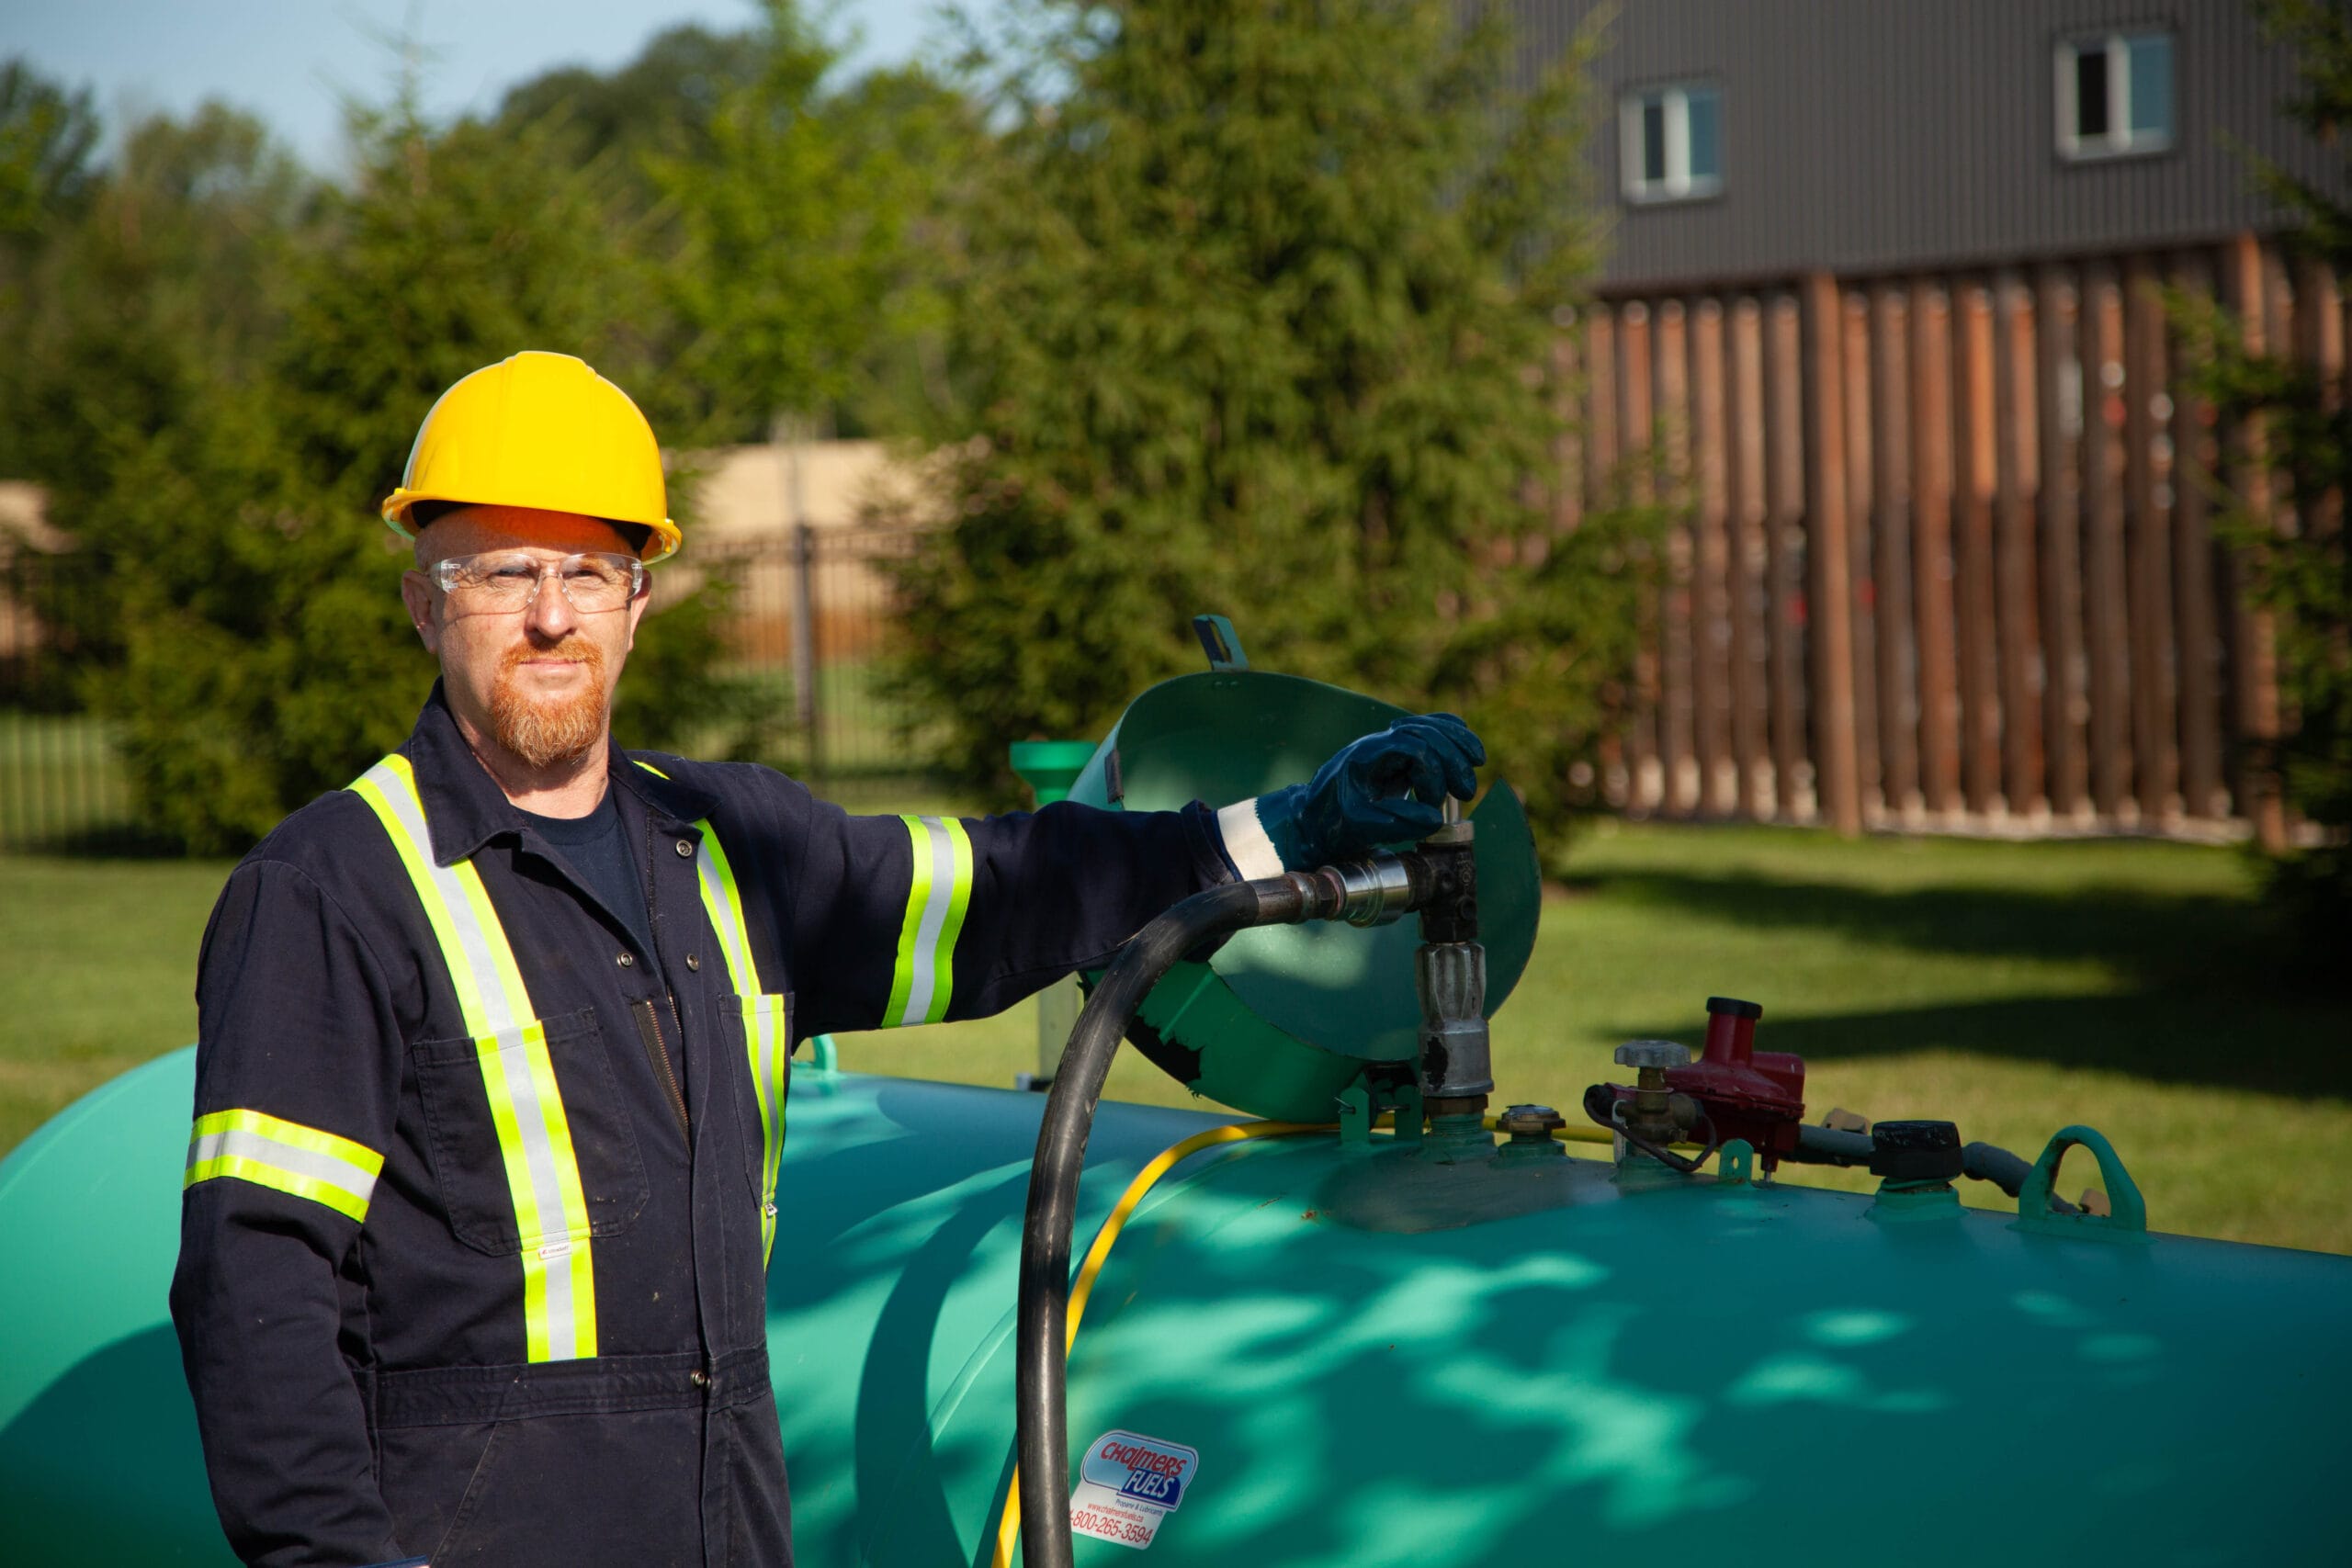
(661, 542)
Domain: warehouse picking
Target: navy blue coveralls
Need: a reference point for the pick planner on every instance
(357, 1352)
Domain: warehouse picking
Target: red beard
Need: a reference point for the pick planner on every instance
(543, 731)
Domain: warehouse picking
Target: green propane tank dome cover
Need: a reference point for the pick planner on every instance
(1284, 1018)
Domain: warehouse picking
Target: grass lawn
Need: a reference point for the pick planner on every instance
(103, 977)
(2012, 988)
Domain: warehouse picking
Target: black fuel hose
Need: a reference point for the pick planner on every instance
(1041, 1333)
(1829, 1145)
(2004, 1170)
(1982, 1162)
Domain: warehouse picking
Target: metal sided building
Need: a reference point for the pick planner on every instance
(1886, 278)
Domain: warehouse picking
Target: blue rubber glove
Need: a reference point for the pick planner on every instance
(1386, 788)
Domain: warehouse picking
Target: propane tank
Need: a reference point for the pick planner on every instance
(1376, 1360)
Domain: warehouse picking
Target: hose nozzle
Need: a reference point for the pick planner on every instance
(1376, 892)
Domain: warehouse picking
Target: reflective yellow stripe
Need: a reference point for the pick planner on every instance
(511, 1045)
(924, 981)
(269, 1151)
(389, 789)
(766, 1042)
(769, 1051)
(724, 902)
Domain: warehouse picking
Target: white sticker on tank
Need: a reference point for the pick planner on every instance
(1127, 1484)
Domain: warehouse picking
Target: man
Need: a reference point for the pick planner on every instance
(493, 1044)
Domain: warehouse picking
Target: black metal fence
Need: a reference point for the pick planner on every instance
(61, 780)
(808, 617)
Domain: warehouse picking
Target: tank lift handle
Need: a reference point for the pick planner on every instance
(2129, 1221)
(1220, 642)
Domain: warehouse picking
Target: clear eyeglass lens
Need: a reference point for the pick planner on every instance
(591, 582)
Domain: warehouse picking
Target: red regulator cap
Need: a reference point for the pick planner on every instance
(1751, 1094)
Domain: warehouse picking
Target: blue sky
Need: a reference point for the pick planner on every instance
(291, 61)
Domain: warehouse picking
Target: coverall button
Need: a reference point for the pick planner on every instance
(693, 962)
(699, 1377)
(685, 849)
(624, 959)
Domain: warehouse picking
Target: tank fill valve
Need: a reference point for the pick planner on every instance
(1649, 1115)
(1450, 974)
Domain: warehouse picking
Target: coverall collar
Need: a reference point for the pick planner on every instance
(464, 807)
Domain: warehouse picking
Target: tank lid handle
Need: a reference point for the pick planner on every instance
(1220, 642)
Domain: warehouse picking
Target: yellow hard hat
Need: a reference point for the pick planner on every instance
(538, 430)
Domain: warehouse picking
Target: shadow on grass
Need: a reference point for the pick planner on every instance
(118, 840)
(2285, 1046)
(2202, 994)
(2187, 941)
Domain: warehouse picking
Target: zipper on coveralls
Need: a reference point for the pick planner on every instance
(649, 1030)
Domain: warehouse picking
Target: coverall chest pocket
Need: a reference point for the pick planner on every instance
(759, 1032)
(530, 1142)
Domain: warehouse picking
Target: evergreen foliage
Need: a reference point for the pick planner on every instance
(48, 138)
(2295, 561)
(219, 364)
(146, 324)
(797, 281)
(228, 391)
(1258, 317)
(663, 104)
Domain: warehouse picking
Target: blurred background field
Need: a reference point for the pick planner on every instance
(2012, 988)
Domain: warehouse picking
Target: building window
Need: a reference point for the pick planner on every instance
(1673, 142)
(2115, 95)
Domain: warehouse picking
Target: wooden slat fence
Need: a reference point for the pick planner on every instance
(1947, 559)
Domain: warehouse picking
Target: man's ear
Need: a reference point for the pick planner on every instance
(637, 607)
(416, 593)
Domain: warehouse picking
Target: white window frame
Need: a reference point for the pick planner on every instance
(1679, 185)
(2120, 140)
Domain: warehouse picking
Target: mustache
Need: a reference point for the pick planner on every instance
(573, 646)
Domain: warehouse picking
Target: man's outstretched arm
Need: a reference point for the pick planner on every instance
(906, 920)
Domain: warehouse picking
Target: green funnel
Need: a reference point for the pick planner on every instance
(1049, 767)
(1281, 1020)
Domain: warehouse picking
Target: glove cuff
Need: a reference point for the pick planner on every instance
(1261, 836)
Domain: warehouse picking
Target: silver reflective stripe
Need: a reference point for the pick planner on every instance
(239, 1142)
(493, 1011)
(935, 919)
(530, 1115)
(763, 1050)
(726, 918)
(538, 1155)
(518, 1075)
